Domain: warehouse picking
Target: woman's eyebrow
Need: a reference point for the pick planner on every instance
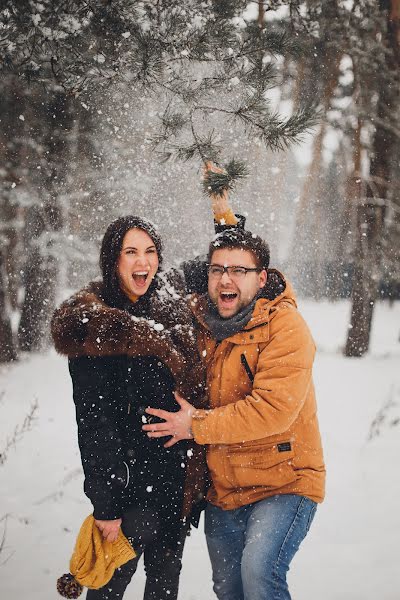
(134, 247)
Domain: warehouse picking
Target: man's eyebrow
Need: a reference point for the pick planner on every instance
(225, 265)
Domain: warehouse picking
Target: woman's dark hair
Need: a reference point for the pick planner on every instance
(240, 238)
(110, 250)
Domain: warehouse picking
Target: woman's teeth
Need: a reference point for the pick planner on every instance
(140, 277)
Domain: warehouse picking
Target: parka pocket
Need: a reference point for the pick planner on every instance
(265, 466)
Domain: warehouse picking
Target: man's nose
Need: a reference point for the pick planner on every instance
(225, 277)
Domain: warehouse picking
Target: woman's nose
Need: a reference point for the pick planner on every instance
(141, 259)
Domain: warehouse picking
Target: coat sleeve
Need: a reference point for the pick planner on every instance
(105, 468)
(282, 381)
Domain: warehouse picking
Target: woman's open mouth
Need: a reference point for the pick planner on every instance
(140, 278)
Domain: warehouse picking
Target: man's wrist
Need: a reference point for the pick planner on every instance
(198, 416)
(192, 410)
(200, 413)
(220, 204)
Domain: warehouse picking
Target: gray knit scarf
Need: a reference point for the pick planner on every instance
(224, 328)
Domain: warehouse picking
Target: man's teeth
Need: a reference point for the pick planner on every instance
(228, 294)
(141, 273)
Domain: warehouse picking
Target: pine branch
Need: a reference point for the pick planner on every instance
(146, 57)
(270, 42)
(280, 135)
(276, 133)
(172, 122)
(218, 183)
(251, 107)
(261, 76)
(204, 147)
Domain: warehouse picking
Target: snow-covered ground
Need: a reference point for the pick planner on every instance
(351, 552)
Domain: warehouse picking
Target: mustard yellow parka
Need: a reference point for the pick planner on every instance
(262, 437)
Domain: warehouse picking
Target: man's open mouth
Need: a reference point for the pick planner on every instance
(227, 298)
(140, 278)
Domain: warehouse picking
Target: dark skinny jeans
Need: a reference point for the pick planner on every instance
(162, 544)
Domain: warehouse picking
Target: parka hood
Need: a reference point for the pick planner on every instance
(278, 288)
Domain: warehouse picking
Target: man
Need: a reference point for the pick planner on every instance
(263, 445)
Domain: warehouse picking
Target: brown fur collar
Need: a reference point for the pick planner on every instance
(84, 325)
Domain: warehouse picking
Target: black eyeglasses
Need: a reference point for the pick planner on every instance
(234, 272)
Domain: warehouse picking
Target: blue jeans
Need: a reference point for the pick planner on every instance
(252, 547)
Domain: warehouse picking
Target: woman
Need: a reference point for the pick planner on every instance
(130, 344)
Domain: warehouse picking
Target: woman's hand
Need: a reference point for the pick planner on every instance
(109, 529)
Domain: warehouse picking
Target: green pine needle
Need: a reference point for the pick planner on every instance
(218, 183)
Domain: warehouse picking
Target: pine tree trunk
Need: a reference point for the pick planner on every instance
(370, 223)
(353, 187)
(310, 191)
(261, 13)
(8, 241)
(42, 224)
(39, 302)
(40, 282)
(371, 211)
(12, 152)
(7, 346)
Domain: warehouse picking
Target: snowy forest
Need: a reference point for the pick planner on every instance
(112, 107)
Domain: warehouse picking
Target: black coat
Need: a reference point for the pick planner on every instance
(122, 465)
(121, 361)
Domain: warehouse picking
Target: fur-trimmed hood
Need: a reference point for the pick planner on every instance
(161, 325)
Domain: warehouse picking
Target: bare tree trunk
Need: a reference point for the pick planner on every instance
(7, 346)
(370, 223)
(40, 280)
(11, 158)
(261, 13)
(8, 242)
(42, 224)
(311, 188)
(371, 211)
(352, 195)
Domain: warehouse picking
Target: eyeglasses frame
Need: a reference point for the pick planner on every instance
(225, 269)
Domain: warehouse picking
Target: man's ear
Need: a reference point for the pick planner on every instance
(263, 276)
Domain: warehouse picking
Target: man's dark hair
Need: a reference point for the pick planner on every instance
(240, 238)
(110, 250)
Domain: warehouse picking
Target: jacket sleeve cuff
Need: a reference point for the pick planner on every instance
(226, 218)
(106, 504)
(199, 425)
(221, 225)
(106, 508)
(102, 514)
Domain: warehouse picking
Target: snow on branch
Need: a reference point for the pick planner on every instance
(198, 59)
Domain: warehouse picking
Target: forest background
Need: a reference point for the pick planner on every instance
(112, 107)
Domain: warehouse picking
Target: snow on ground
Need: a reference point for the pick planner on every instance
(350, 553)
